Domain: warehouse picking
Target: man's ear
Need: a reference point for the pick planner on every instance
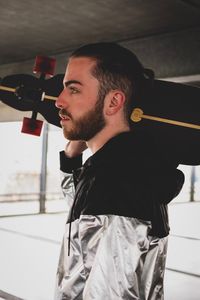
(114, 102)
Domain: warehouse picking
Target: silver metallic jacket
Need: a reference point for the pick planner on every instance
(115, 242)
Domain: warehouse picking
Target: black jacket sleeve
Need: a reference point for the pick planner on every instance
(68, 165)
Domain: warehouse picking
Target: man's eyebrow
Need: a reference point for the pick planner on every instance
(67, 83)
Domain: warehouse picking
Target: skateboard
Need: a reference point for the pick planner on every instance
(165, 111)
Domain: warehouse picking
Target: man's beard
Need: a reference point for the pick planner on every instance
(87, 126)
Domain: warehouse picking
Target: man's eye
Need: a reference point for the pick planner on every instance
(73, 90)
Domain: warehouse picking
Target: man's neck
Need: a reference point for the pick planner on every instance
(104, 136)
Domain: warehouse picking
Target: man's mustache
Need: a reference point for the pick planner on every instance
(64, 113)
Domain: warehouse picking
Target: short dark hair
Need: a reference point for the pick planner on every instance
(116, 68)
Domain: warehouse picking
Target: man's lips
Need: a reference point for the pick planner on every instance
(64, 117)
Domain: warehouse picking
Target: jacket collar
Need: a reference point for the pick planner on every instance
(136, 148)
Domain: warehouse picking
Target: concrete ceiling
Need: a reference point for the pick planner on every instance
(164, 34)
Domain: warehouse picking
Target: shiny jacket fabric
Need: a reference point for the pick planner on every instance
(115, 242)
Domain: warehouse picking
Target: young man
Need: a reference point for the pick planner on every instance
(116, 233)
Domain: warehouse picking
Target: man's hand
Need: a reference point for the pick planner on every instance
(75, 148)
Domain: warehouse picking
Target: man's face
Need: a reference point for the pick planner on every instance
(81, 109)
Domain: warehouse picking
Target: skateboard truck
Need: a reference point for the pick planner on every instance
(44, 66)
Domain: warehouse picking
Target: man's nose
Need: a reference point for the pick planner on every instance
(60, 103)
